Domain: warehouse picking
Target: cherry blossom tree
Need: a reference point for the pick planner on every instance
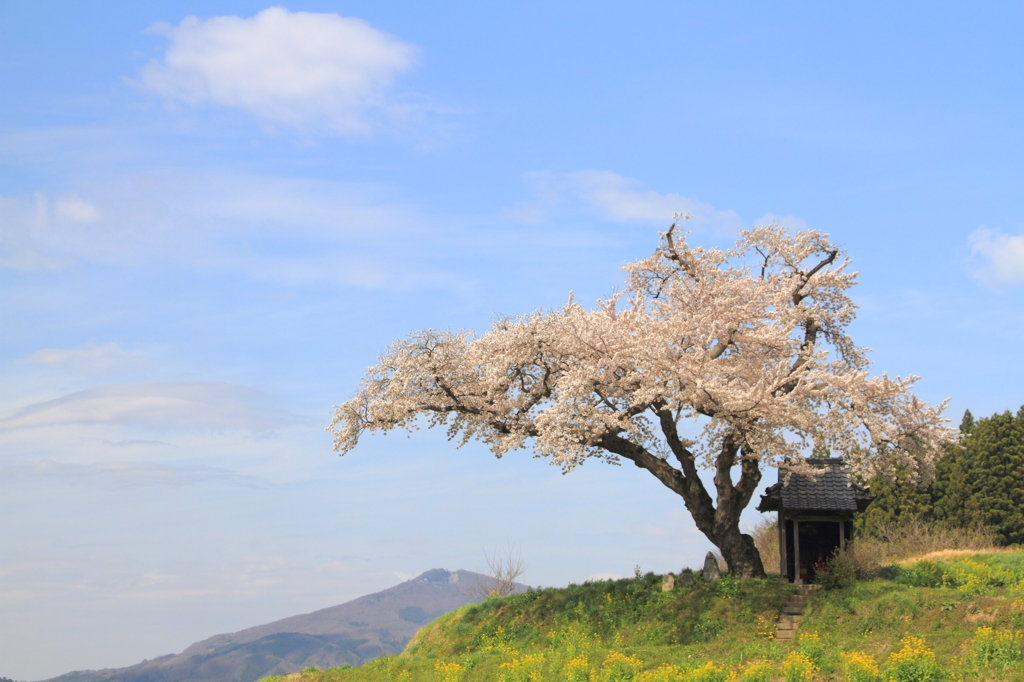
(732, 360)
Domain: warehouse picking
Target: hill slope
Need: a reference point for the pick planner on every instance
(958, 618)
(348, 634)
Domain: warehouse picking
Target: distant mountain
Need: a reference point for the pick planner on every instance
(354, 632)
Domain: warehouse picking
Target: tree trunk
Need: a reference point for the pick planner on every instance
(718, 519)
(721, 525)
(740, 554)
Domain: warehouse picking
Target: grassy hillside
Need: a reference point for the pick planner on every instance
(951, 617)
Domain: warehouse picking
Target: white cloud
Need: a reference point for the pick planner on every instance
(353, 234)
(1002, 256)
(77, 209)
(21, 219)
(131, 473)
(92, 360)
(790, 221)
(619, 199)
(301, 69)
(528, 215)
(188, 406)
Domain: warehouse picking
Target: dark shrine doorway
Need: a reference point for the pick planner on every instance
(819, 540)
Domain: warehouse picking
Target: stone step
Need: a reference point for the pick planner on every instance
(792, 612)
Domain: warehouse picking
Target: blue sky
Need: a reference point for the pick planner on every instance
(211, 226)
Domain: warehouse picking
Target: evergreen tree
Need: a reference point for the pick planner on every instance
(897, 497)
(982, 482)
(979, 482)
(967, 423)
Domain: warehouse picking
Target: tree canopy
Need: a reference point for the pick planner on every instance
(720, 358)
(982, 483)
(979, 483)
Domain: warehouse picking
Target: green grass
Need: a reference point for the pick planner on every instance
(955, 619)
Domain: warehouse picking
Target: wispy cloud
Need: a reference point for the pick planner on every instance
(290, 230)
(179, 406)
(621, 198)
(791, 221)
(77, 209)
(1000, 257)
(131, 473)
(21, 221)
(300, 69)
(107, 358)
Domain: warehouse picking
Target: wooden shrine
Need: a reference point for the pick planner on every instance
(815, 516)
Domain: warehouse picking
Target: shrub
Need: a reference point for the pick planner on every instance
(766, 538)
(857, 561)
(968, 575)
(709, 672)
(920, 574)
(756, 671)
(664, 673)
(572, 640)
(708, 626)
(887, 542)
(860, 667)
(448, 671)
(798, 667)
(996, 647)
(576, 670)
(766, 627)
(973, 577)
(526, 668)
(812, 647)
(619, 667)
(915, 662)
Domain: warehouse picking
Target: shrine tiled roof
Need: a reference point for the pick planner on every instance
(832, 490)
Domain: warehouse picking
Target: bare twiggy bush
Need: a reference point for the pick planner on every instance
(766, 538)
(503, 569)
(911, 537)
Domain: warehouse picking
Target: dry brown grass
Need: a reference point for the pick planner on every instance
(894, 542)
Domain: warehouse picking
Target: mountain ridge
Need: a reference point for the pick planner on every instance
(352, 633)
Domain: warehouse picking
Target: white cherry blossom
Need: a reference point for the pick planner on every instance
(710, 358)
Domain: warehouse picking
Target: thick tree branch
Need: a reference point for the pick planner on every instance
(696, 496)
(678, 258)
(670, 477)
(805, 277)
(722, 346)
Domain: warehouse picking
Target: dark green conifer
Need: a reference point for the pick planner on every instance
(982, 483)
(899, 496)
(967, 423)
(978, 483)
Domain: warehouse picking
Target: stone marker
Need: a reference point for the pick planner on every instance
(685, 578)
(711, 571)
(667, 582)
